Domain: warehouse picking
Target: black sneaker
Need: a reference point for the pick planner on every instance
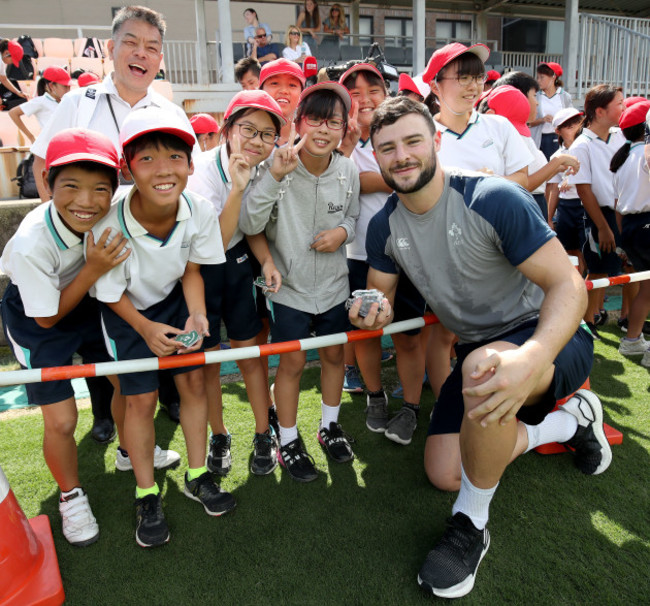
(265, 453)
(600, 319)
(450, 568)
(297, 461)
(151, 528)
(205, 491)
(593, 454)
(592, 329)
(336, 443)
(622, 324)
(273, 421)
(219, 460)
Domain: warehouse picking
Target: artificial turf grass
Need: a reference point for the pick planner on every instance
(359, 534)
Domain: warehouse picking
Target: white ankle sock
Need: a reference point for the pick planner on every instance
(559, 426)
(288, 434)
(473, 502)
(329, 414)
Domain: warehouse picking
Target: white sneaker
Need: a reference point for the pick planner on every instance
(161, 459)
(633, 348)
(78, 522)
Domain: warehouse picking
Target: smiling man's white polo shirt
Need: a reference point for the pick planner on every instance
(154, 266)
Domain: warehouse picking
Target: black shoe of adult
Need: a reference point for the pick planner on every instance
(103, 431)
(173, 410)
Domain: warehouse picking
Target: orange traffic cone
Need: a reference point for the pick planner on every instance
(29, 570)
(614, 436)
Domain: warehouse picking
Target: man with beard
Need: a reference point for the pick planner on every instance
(481, 255)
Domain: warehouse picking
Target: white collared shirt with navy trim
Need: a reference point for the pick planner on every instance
(595, 156)
(41, 259)
(632, 183)
(155, 266)
(211, 179)
(488, 141)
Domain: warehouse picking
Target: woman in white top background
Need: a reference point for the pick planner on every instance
(294, 47)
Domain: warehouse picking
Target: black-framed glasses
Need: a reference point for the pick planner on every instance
(260, 36)
(249, 132)
(333, 123)
(466, 79)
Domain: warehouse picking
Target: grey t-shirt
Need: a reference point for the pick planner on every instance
(462, 254)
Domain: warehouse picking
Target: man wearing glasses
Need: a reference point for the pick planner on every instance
(263, 50)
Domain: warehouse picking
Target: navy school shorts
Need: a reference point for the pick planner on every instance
(289, 324)
(598, 262)
(572, 367)
(124, 343)
(635, 238)
(570, 223)
(37, 347)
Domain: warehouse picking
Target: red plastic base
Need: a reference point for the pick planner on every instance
(45, 587)
(614, 436)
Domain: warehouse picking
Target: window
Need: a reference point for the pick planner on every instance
(453, 30)
(398, 31)
(365, 30)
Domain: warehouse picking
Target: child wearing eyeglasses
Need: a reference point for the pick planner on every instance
(252, 125)
(307, 204)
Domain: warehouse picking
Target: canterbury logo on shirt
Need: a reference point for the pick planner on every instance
(402, 243)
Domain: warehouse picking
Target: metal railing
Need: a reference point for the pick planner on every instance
(613, 54)
(526, 62)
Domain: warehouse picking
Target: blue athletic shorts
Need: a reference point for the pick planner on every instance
(230, 297)
(600, 262)
(570, 223)
(289, 324)
(635, 238)
(37, 347)
(572, 367)
(409, 303)
(124, 343)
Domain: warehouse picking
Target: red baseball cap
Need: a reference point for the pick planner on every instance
(409, 84)
(87, 78)
(556, 68)
(155, 119)
(16, 51)
(204, 123)
(360, 67)
(282, 66)
(310, 66)
(511, 103)
(492, 75)
(57, 74)
(632, 100)
(339, 89)
(255, 99)
(81, 145)
(445, 55)
(635, 114)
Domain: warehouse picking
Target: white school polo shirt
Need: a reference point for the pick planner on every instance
(571, 193)
(369, 204)
(489, 141)
(42, 107)
(595, 156)
(632, 183)
(549, 106)
(211, 179)
(41, 259)
(154, 266)
(88, 108)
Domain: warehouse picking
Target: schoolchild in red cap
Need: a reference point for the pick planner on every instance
(47, 313)
(284, 80)
(306, 204)
(551, 98)
(11, 53)
(632, 190)
(155, 303)
(206, 130)
(252, 124)
(50, 89)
